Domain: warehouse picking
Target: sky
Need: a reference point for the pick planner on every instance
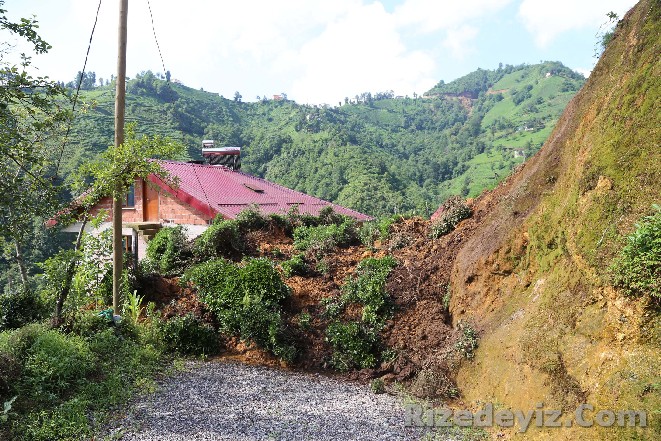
(315, 51)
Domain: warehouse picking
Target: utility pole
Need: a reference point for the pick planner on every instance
(120, 104)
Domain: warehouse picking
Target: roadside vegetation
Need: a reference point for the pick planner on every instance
(60, 379)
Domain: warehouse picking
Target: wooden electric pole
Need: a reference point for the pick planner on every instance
(118, 196)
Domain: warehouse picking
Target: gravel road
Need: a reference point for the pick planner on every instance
(226, 400)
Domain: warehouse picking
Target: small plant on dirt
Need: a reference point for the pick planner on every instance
(170, 250)
(378, 386)
(454, 210)
(322, 266)
(637, 271)
(296, 266)
(133, 306)
(304, 320)
(447, 296)
(467, 342)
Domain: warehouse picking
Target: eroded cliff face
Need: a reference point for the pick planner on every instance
(533, 275)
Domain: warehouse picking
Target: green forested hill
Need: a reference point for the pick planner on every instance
(374, 153)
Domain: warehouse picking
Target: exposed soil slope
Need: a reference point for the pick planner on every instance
(533, 275)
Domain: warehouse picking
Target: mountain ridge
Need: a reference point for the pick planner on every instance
(376, 153)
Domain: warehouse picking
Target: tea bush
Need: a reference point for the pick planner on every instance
(455, 210)
(251, 219)
(356, 344)
(368, 288)
(188, 335)
(246, 299)
(170, 250)
(221, 239)
(296, 266)
(378, 229)
(322, 239)
(637, 271)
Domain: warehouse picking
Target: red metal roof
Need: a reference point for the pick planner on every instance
(214, 189)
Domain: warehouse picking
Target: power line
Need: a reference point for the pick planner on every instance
(153, 28)
(75, 98)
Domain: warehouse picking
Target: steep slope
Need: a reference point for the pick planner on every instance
(533, 275)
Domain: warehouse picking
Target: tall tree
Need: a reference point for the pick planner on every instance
(32, 112)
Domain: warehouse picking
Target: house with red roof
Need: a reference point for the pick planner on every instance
(203, 191)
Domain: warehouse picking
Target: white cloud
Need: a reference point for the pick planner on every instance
(546, 20)
(433, 15)
(359, 52)
(314, 50)
(458, 40)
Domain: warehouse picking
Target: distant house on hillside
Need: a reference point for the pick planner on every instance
(204, 191)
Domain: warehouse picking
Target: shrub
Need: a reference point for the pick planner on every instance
(67, 421)
(55, 363)
(251, 219)
(324, 238)
(246, 299)
(170, 250)
(357, 343)
(378, 386)
(304, 320)
(86, 323)
(378, 230)
(354, 345)
(296, 266)
(221, 239)
(188, 335)
(20, 308)
(637, 270)
(281, 221)
(368, 288)
(454, 210)
(328, 216)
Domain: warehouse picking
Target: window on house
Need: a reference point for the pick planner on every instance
(127, 244)
(129, 200)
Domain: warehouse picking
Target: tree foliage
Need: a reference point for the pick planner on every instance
(377, 153)
(118, 167)
(33, 111)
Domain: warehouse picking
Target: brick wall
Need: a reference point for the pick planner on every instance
(169, 209)
(173, 210)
